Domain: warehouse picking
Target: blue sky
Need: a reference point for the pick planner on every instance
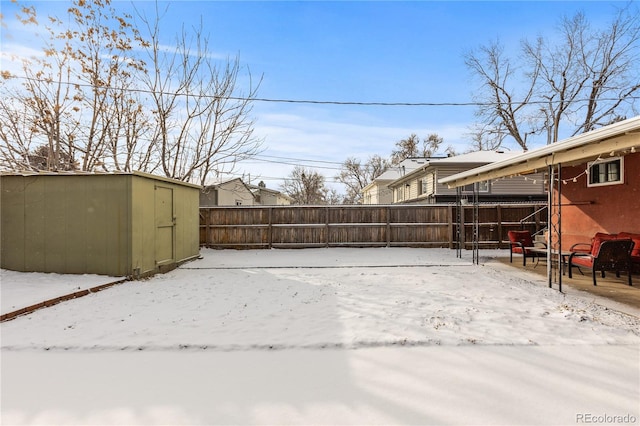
(364, 51)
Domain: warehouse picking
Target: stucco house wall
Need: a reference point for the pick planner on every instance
(609, 208)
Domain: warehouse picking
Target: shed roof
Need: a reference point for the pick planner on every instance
(614, 139)
(85, 173)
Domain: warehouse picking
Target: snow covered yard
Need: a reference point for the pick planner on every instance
(322, 336)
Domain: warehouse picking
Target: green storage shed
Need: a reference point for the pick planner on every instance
(118, 224)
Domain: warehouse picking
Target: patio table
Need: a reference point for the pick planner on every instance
(542, 252)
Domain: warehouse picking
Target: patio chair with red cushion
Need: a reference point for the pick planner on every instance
(599, 236)
(588, 247)
(521, 242)
(635, 253)
(605, 255)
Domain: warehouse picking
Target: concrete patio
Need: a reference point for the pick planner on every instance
(610, 287)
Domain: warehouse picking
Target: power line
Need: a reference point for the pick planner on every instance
(258, 176)
(300, 159)
(356, 103)
(308, 101)
(257, 160)
(253, 160)
(256, 99)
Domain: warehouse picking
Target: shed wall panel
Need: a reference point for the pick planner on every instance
(147, 256)
(187, 223)
(12, 223)
(35, 224)
(53, 241)
(71, 224)
(143, 240)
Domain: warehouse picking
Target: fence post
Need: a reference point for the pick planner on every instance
(499, 226)
(388, 226)
(207, 228)
(270, 228)
(326, 219)
(450, 225)
(463, 228)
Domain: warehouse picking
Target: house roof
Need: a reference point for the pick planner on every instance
(614, 139)
(477, 157)
(237, 182)
(405, 166)
(467, 160)
(257, 189)
(218, 183)
(395, 172)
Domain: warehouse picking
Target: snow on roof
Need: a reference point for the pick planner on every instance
(403, 168)
(615, 137)
(479, 157)
(216, 183)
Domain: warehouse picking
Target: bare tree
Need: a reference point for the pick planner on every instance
(485, 138)
(130, 145)
(585, 79)
(18, 138)
(331, 196)
(68, 93)
(40, 112)
(202, 118)
(103, 42)
(355, 175)
(412, 147)
(306, 186)
(405, 148)
(82, 99)
(502, 105)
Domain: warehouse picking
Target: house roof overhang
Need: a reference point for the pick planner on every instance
(615, 139)
(433, 167)
(374, 183)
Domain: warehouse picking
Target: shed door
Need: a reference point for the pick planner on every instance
(165, 225)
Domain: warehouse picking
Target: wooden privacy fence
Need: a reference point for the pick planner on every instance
(433, 225)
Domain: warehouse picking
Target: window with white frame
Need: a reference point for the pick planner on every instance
(606, 172)
(482, 187)
(423, 186)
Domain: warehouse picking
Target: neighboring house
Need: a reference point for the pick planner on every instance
(596, 175)
(269, 197)
(233, 192)
(378, 191)
(421, 184)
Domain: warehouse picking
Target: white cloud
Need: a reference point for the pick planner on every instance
(335, 140)
(173, 49)
(320, 136)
